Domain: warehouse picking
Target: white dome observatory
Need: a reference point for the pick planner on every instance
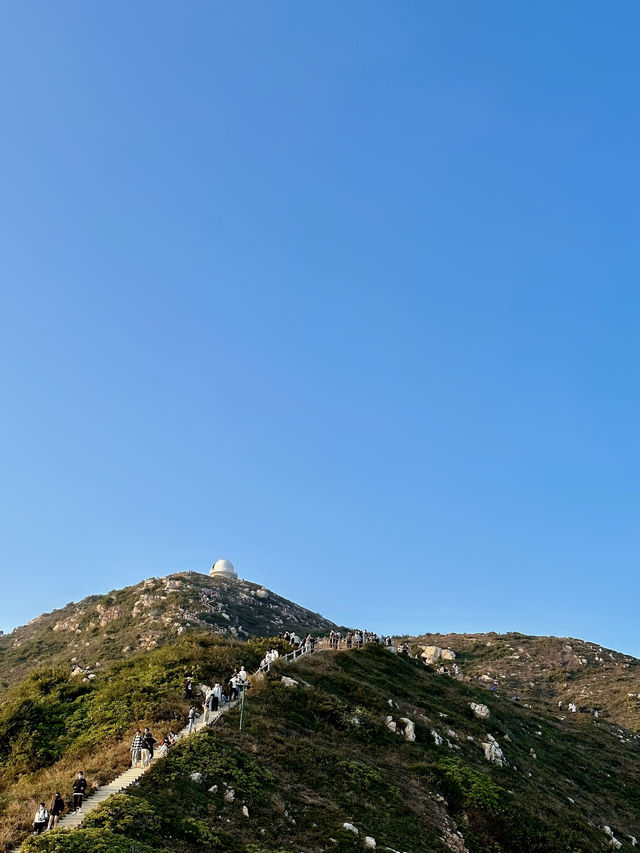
(223, 569)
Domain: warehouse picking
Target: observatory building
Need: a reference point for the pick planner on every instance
(223, 569)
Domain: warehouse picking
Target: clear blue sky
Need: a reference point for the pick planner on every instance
(347, 293)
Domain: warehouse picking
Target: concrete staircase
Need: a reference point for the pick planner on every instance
(73, 819)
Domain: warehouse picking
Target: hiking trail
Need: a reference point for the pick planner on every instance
(72, 820)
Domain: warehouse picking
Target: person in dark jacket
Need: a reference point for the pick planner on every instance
(213, 699)
(188, 689)
(148, 741)
(57, 807)
(79, 787)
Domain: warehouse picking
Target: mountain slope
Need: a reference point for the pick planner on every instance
(103, 628)
(315, 756)
(550, 672)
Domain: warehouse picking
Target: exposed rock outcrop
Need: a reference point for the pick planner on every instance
(430, 654)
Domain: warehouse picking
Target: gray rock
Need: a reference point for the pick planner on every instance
(493, 752)
(430, 654)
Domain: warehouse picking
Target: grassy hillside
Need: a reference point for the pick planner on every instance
(546, 671)
(53, 724)
(104, 628)
(313, 757)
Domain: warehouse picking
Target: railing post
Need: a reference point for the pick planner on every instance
(244, 690)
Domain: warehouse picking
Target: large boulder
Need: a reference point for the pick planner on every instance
(493, 752)
(480, 710)
(430, 654)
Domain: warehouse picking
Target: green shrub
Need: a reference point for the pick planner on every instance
(219, 763)
(84, 841)
(125, 815)
(466, 788)
(259, 646)
(360, 775)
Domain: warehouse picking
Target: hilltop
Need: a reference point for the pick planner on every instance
(550, 672)
(104, 628)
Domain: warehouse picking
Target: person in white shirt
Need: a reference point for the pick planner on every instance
(233, 687)
(40, 819)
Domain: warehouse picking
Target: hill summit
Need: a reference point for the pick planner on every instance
(103, 628)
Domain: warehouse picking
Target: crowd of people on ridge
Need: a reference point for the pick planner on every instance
(356, 639)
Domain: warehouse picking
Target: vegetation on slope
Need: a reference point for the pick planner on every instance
(316, 756)
(53, 724)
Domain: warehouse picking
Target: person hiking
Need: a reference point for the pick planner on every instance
(188, 689)
(211, 702)
(192, 718)
(233, 687)
(217, 692)
(148, 741)
(136, 748)
(57, 807)
(163, 749)
(40, 819)
(79, 787)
